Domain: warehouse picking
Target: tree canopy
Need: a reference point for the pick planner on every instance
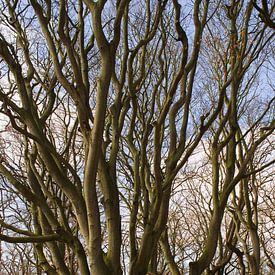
(136, 137)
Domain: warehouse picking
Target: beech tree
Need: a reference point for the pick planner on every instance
(105, 105)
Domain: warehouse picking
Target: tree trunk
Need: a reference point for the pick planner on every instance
(197, 267)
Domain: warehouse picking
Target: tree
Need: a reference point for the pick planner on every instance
(104, 105)
(266, 12)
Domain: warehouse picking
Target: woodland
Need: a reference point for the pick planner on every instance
(137, 137)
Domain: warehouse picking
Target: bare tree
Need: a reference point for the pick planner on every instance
(104, 104)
